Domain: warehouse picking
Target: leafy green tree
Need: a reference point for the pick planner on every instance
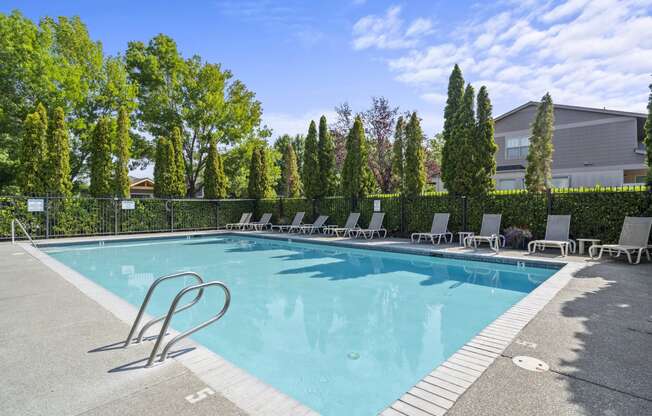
(464, 155)
(327, 168)
(215, 184)
(485, 144)
(357, 178)
(55, 62)
(33, 155)
(257, 188)
(122, 155)
(398, 159)
(290, 180)
(180, 177)
(415, 172)
(451, 156)
(280, 148)
(164, 169)
(538, 173)
(237, 161)
(312, 179)
(434, 148)
(58, 160)
(101, 164)
(201, 97)
(648, 138)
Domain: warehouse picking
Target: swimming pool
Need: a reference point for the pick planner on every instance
(344, 331)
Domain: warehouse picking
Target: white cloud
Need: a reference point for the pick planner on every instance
(594, 53)
(285, 123)
(387, 31)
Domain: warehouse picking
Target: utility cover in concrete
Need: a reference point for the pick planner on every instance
(530, 363)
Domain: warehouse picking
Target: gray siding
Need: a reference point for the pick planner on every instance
(602, 145)
(607, 144)
(521, 120)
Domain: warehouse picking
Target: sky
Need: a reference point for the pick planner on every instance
(302, 58)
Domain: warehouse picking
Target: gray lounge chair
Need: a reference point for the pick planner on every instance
(296, 222)
(244, 220)
(315, 226)
(633, 240)
(375, 227)
(489, 233)
(438, 229)
(261, 224)
(350, 226)
(557, 235)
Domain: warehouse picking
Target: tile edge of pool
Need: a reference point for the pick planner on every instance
(461, 369)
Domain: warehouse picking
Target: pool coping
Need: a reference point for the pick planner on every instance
(433, 395)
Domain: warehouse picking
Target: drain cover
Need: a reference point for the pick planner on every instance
(353, 355)
(530, 363)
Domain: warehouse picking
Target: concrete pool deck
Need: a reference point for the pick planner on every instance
(596, 335)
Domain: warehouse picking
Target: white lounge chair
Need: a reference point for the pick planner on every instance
(350, 226)
(296, 222)
(244, 220)
(315, 226)
(633, 240)
(489, 233)
(438, 229)
(375, 227)
(557, 235)
(260, 224)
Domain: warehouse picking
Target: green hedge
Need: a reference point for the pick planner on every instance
(596, 212)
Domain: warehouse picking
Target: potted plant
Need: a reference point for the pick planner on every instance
(517, 237)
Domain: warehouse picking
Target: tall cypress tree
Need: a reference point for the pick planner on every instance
(312, 180)
(398, 160)
(122, 155)
(257, 187)
(451, 157)
(464, 160)
(291, 183)
(415, 170)
(648, 138)
(214, 179)
(164, 169)
(538, 173)
(357, 178)
(33, 153)
(101, 164)
(179, 185)
(58, 175)
(485, 144)
(327, 160)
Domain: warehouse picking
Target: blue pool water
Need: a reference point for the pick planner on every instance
(344, 331)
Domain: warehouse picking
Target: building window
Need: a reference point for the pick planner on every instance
(508, 184)
(516, 148)
(560, 182)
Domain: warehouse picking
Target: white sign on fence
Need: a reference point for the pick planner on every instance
(35, 205)
(128, 204)
(376, 205)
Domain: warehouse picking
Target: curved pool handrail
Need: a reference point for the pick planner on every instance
(173, 310)
(143, 306)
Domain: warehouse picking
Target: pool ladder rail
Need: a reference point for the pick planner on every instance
(22, 228)
(174, 308)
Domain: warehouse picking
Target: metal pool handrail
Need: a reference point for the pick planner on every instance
(143, 306)
(173, 310)
(22, 227)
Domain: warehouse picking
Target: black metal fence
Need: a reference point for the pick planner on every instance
(596, 212)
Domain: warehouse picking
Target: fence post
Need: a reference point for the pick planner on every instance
(115, 215)
(171, 201)
(47, 217)
(402, 207)
(314, 208)
(549, 201)
(465, 214)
